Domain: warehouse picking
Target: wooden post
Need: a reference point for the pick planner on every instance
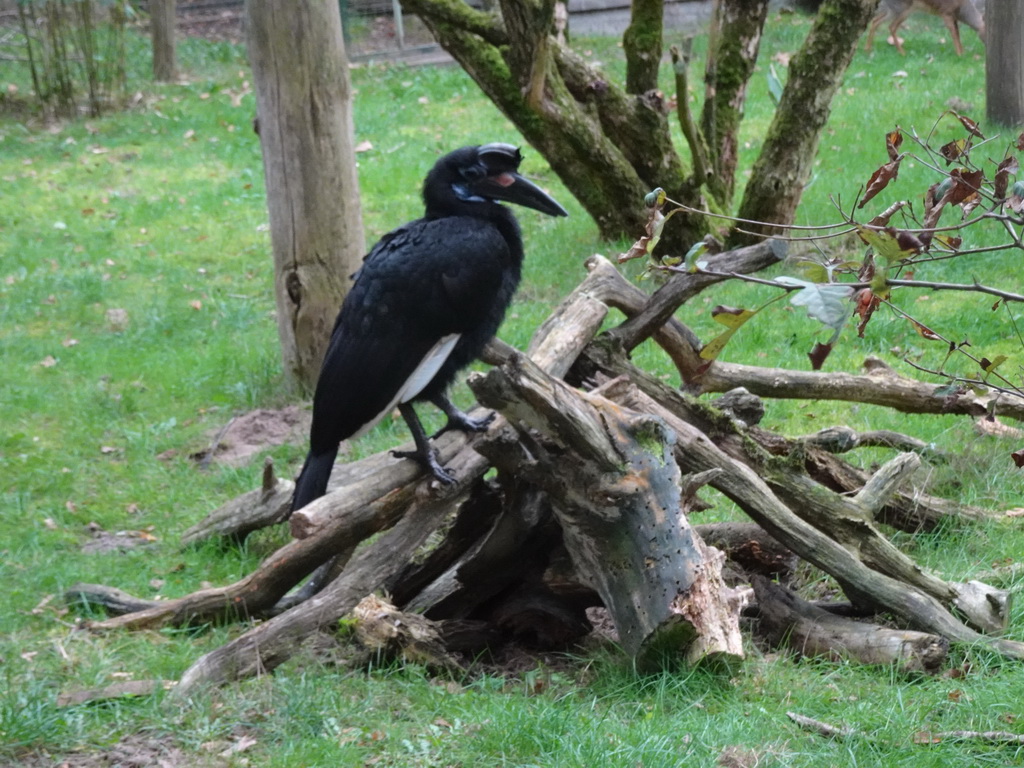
(1004, 62)
(303, 99)
(161, 26)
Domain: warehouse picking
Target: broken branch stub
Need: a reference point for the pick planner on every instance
(265, 506)
(617, 500)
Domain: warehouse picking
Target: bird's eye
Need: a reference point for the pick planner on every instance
(473, 173)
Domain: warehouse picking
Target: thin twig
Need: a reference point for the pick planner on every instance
(690, 209)
(826, 730)
(1000, 737)
(926, 284)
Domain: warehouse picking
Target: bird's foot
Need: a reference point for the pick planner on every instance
(428, 462)
(465, 423)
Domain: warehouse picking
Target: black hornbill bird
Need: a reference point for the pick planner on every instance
(426, 300)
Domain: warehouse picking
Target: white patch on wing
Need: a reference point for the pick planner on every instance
(423, 375)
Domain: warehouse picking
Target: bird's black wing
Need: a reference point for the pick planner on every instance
(427, 281)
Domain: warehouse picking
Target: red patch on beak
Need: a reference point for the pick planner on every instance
(505, 179)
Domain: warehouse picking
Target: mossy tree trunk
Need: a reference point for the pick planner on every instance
(611, 143)
(609, 146)
(304, 119)
(642, 43)
(733, 46)
(815, 74)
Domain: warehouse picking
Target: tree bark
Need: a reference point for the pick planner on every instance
(870, 578)
(878, 385)
(1004, 62)
(268, 505)
(815, 73)
(304, 115)
(642, 43)
(733, 46)
(161, 25)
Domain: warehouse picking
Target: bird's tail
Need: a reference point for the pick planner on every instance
(312, 482)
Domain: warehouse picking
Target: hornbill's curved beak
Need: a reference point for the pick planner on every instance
(503, 181)
(513, 188)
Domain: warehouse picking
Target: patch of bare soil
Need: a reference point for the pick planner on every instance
(102, 541)
(216, 20)
(246, 435)
(135, 751)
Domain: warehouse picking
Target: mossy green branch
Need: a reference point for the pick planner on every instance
(459, 15)
(815, 74)
(642, 43)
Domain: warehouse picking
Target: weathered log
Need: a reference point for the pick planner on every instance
(475, 518)
(912, 510)
(741, 405)
(881, 486)
(810, 631)
(374, 478)
(909, 511)
(679, 342)
(262, 588)
(841, 439)
(878, 385)
(269, 644)
(744, 485)
(620, 477)
(683, 286)
(850, 522)
(114, 601)
(618, 505)
(498, 559)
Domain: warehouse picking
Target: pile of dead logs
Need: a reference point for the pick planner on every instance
(581, 494)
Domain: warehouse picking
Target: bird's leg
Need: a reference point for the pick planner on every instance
(424, 453)
(458, 419)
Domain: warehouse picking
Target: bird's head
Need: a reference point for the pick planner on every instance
(479, 175)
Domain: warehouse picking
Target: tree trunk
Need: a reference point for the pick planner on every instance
(1004, 62)
(161, 25)
(620, 510)
(732, 53)
(811, 631)
(642, 43)
(815, 73)
(610, 147)
(611, 144)
(304, 119)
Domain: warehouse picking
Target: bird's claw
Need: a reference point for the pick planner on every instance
(430, 463)
(465, 423)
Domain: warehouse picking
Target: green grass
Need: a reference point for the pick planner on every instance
(158, 211)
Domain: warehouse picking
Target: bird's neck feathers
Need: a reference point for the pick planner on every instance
(440, 206)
